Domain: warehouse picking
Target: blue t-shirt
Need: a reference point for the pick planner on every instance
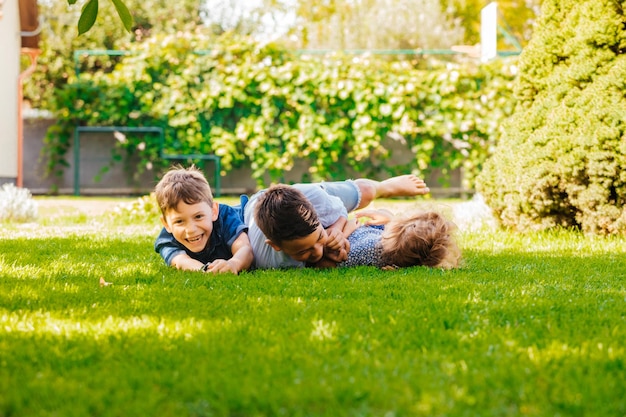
(228, 226)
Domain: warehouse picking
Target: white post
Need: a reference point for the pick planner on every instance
(9, 77)
(489, 32)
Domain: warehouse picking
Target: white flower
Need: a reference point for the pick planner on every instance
(120, 137)
(16, 204)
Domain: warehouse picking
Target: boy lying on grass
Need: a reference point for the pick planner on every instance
(291, 225)
(282, 239)
(200, 234)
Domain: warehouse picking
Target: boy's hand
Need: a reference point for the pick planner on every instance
(223, 265)
(337, 246)
(376, 217)
(336, 241)
(241, 260)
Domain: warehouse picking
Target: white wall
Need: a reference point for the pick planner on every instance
(10, 42)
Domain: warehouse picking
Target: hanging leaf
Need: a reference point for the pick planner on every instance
(88, 16)
(125, 15)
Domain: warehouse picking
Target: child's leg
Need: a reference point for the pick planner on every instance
(400, 186)
(359, 193)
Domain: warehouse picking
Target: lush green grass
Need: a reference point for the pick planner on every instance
(531, 325)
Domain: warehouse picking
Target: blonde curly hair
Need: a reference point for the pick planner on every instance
(423, 238)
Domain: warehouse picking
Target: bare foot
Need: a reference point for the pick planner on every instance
(401, 186)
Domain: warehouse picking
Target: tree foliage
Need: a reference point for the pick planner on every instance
(56, 63)
(89, 14)
(90, 10)
(341, 24)
(560, 161)
(515, 16)
(376, 24)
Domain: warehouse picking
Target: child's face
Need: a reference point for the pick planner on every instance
(306, 249)
(191, 224)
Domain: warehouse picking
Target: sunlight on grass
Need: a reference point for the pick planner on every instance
(40, 323)
(558, 351)
(323, 331)
(34, 230)
(92, 319)
(19, 271)
(547, 243)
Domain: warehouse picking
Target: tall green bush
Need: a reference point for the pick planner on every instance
(561, 159)
(266, 107)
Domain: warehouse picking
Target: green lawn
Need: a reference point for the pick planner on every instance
(531, 325)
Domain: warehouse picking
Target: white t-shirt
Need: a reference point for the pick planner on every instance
(329, 209)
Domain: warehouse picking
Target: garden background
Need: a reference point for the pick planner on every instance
(92, 322)
(266, 106)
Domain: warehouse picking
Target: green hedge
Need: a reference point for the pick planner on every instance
(561, 160)
(266, 107)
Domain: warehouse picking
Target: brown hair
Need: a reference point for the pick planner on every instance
(423, 238)
(180, 184)
(282, 213)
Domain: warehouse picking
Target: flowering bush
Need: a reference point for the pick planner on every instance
(16, 204)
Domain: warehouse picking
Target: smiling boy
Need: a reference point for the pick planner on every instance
(292, 230)
(198, 233)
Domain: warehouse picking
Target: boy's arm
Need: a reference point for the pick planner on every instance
(186, 262)
(241, 260)
(333, 256)
(337, 246)
(173, 253)
(336, 229)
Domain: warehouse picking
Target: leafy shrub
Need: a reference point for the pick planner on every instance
(265, 107)
(60, 43)
(560, 161)
(16, 204)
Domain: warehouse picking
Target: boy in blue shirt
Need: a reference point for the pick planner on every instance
(199, 233)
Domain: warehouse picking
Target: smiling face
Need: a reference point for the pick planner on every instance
(191, 224)
(308, 249)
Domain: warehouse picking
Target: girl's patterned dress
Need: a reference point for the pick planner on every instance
(365, 247)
